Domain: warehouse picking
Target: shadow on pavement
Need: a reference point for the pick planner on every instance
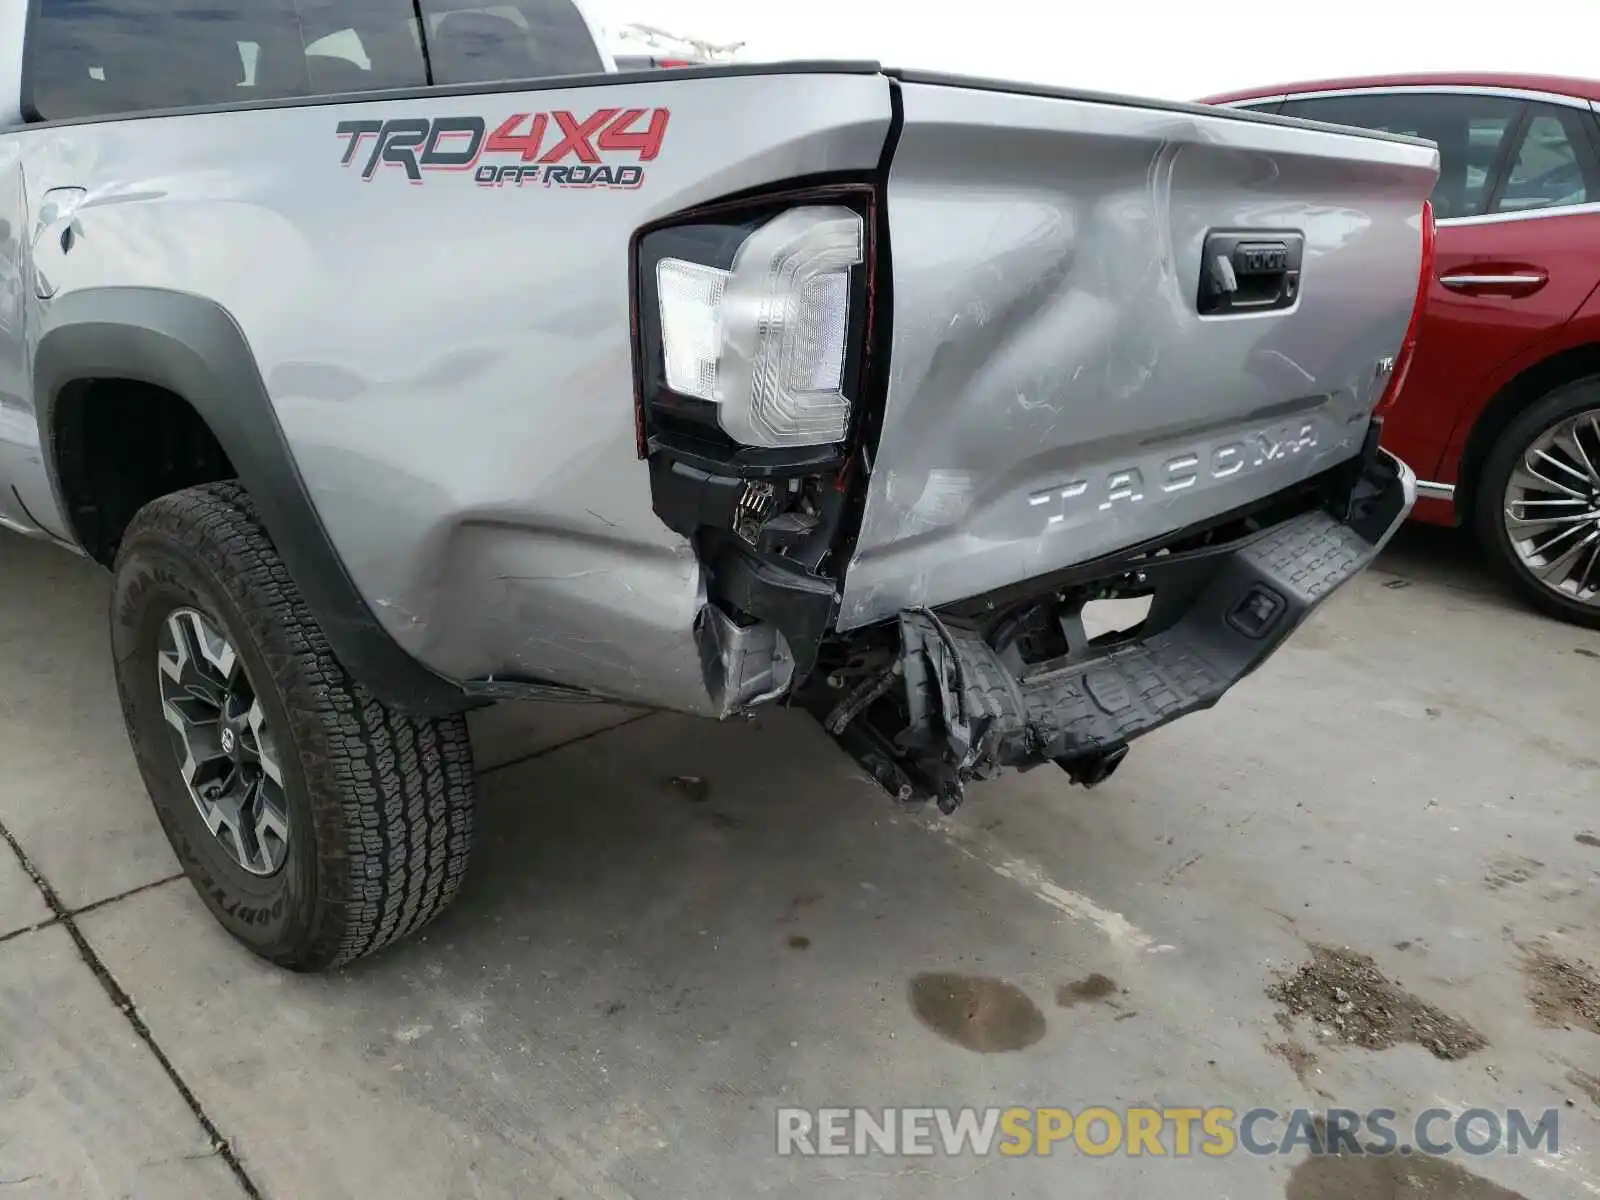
(1448, 557)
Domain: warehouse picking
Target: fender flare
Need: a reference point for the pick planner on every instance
(194, 348)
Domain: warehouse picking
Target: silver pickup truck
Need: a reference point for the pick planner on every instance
(398, 357)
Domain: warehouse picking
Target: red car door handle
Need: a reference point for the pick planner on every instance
(1520, 281)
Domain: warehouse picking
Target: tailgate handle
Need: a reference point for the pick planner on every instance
(1249, 271)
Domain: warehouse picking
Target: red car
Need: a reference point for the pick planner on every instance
(1500, 412)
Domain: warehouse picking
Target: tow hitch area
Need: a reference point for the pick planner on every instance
(979, 687)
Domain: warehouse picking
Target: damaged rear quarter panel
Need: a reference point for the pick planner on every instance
(1054, 393)
(451, 362)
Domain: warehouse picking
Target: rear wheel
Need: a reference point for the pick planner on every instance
(317, 824)
(1538, 503)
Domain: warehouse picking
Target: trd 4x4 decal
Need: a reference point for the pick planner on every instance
(526, 147)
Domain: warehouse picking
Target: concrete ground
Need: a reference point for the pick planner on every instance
(639, 972)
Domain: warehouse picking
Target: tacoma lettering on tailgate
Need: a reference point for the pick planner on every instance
(1195, 467)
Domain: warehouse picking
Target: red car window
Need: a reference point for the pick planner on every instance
(1471, 131)
(1554, 164)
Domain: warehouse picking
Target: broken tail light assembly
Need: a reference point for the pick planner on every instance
(753, 322)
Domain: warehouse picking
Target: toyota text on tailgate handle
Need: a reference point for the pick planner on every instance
(1249, 271)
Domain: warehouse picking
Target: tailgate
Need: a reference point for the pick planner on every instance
(1056, 391)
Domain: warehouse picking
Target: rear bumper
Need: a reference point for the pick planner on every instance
(1436, 504)
(970, 716)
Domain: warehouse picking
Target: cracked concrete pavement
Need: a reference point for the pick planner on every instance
(638, 974)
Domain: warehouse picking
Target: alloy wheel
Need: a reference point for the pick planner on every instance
(1552, 508)
(224, 747)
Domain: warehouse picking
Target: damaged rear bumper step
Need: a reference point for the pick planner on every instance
(968, 716)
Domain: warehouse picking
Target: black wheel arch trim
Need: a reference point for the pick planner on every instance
(193, 347)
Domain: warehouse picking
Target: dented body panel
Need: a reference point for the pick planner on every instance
(449, 359)
(1054, 393)
(429, 295)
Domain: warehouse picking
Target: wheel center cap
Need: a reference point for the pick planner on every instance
(229, 741)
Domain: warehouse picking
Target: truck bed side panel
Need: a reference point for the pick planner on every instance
(1055, 394)
(451, 362)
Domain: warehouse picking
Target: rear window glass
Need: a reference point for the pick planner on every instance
(480, 43)
(90, 58)
(1553, 166)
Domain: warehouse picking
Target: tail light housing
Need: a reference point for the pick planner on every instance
(754, 322)
(751, 331)
(764, 339)
(1408, 348)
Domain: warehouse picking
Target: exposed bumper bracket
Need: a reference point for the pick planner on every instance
(1092, 770)
(969, 717)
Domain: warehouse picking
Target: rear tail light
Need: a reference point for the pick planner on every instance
(1408, 348)
(751, 327)
(689, 297)
(752, 322)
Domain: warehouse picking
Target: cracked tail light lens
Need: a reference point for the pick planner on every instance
(763, 336)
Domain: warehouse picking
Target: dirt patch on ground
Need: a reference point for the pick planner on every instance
(1510, 870)
(1352, 1001)
(1390, 1177)
(1301, 1061)
(801, 901)
(1586, 1083)
(1339, 1170)
(1088, 989)
(1587, 839)
(982, 1014)
(1564, 992)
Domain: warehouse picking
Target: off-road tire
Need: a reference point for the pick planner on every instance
(379, 804)
(1489, 499)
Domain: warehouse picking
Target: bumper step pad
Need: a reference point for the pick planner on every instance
(971, 717)
(1223, 611)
